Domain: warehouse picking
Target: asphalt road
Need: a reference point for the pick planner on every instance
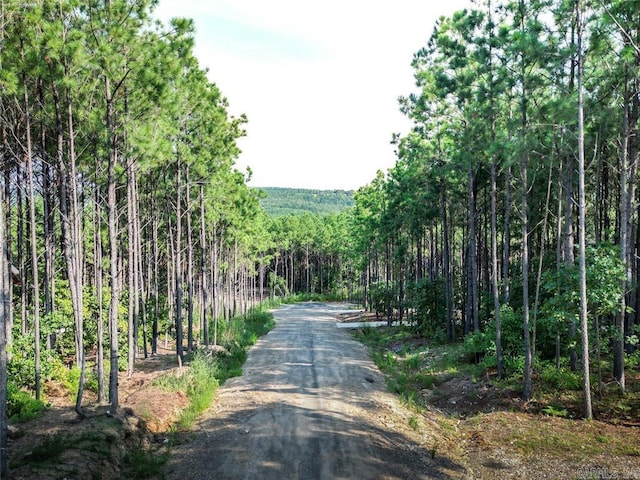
(309, 405)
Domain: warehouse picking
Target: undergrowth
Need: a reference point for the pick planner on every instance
(206, 372)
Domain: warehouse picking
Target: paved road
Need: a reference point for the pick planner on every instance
(309, 405)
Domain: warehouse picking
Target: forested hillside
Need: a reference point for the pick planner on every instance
(282, 201)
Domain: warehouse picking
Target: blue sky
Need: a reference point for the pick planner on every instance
(319, 81)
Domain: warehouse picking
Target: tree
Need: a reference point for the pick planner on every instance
(584, 321)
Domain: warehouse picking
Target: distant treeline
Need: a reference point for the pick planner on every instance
(283, 201)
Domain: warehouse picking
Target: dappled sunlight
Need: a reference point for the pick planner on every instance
(311, 404)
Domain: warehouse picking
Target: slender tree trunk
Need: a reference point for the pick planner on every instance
(112, 222)
(568, 217)
(5, 302)
(156, 273)
(203, 270)
(21, 176)
(494, 267)
(178, 266)
(75, 257)
(619, 334)
(506, 238)
(190, 275)
(448, 282)
(97, 245)
(524, 156)
(472, 251)
(131, 271)
(6, 219)
(584, 325)
(34, 245)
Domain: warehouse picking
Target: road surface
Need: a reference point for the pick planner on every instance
(309, 405)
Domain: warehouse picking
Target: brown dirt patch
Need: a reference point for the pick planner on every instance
(94, 446)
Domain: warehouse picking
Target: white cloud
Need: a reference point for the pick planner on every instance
(319, 81)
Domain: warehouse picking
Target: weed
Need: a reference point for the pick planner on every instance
(413, 361)
(409, 398)
(414, 424)
(560, 379)
(50, 449)
(141, 464)
(552, 411)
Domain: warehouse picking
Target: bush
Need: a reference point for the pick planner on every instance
(21, 406)
(427, 298)
(560, 379)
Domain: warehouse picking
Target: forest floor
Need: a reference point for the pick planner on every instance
(101, 446)
(461, 425)
(502, 436)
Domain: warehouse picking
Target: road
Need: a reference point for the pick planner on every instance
(309, 405)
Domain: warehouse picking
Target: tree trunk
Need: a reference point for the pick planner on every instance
(112, 222)
(5, 312)
(97, 255)
(75, 257)
(178, 266)
(472, 251)
(524, 156)
(446, 260)
(190, 275)
(204, 300)
(618, 336)
(506, 238)
(34, 246)
(584, 325)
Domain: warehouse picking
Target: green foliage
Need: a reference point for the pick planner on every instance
(285, 201)
(480, 347)
(554, 411)
(141, 464)
(22, 366)
(560, 296)
(381, 294)
(427, 299)
(553, 378)
(21, 406)
(204, 373)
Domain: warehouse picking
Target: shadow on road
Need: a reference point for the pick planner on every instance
(310, 405)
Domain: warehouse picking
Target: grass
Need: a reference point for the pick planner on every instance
(547, 427)
(415, 367)
(559, 437)
(205, 373)
(140, 464)
(48, 453)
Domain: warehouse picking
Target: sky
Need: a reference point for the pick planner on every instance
(318, 80)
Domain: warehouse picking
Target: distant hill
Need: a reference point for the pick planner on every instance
(283, 201)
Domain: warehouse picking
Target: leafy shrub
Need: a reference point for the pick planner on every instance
(380, 293)
(21, 406)
(560, 378)
(427, 298)
(554, 411)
